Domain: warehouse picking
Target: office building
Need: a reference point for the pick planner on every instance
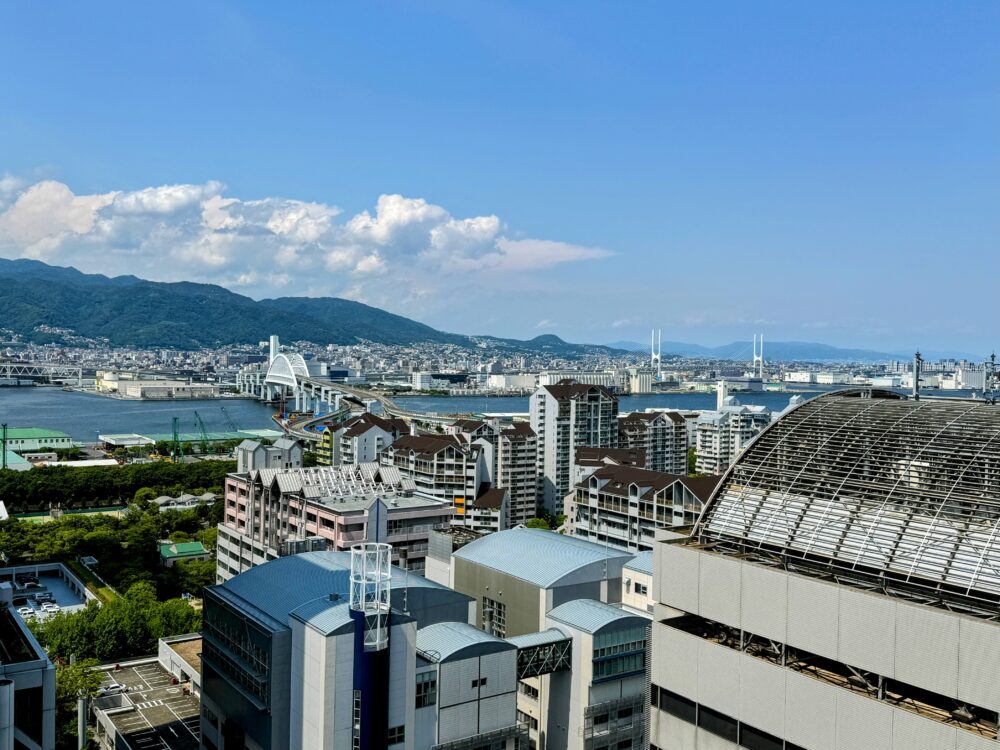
(661, 435)
(274, 512)
(27, 683)
(325, 651)
(26, 439)
(840, 589)
(565, 417)
(624, 506)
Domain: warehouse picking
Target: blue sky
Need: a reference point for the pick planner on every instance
(825, 172)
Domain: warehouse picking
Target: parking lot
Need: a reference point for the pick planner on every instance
(153, 713)
(46, 588)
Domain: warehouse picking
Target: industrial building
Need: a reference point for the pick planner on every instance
(517, 576)
(26, 439)
(624, 506)
(840, 589)
(663, 436)
(567, 416)
(27, 683)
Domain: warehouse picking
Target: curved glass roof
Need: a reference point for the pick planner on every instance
(868, 482)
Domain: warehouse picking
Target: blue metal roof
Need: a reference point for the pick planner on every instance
(641, 563)
(537, 556)
(552, 635)
(280, 586)
(590, 616)
(325, 614)
(442, 641)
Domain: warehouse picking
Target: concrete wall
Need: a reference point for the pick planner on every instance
(522, 599)
(954, 655)
(804, 710)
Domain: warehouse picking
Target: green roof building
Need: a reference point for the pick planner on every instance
(171, 552)
(23, 439)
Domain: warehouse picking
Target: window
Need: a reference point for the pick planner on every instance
(677, 705)
(525, 689)
(480, 683)
(754, 739)
(494, 617)
(426, 689)
(718, 724)
(641, 589)
(397, 735)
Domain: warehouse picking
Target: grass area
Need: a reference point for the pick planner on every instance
(94, 586)
(45, 516)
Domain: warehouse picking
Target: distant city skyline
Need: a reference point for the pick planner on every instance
(825, 174)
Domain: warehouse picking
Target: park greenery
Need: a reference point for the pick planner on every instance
(72, 681)
(46, 487)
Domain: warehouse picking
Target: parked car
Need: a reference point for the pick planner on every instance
(43, 596)
(115, 689)
(51, 607)
(26, 612)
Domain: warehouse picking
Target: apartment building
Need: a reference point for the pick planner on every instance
(285, 453)
(274, 512)
(723, 434)
(565, 417)
(445, 467)
(663, 436)
(358, 440)
(517, 457)
(624, 506)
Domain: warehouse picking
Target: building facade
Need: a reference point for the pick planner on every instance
(273, 512)
(359, 440)
(662, 436)
(624, 506)
(564, 417)
(723, 434)
(840, 588)
(517, 457)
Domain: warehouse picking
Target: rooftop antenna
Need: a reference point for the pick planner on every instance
(758, 356)
(917, 359)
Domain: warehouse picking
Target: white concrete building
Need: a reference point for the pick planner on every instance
(723, 434)
(567, 416)
(663, 436)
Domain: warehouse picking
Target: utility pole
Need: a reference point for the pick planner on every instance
(917, 359)
(3, 447)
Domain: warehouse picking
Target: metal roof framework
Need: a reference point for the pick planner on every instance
(901, 494)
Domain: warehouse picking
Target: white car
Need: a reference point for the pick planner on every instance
(26, 612)
(50, 607)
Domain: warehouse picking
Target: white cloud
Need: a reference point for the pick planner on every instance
(406, 251)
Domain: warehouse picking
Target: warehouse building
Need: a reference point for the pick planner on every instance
(841, 588)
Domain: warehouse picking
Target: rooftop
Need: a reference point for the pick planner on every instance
(280, 586)
(589, 615)
(543, 558)
(445, 640)
(176, 550)
(641, 563)
(154, 712)
(870, 485)
(33, 433)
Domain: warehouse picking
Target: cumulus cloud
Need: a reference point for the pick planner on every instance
(403, 250)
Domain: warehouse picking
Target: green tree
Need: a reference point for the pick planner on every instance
(72, 681)
(194, 575)
(537, 523)
(692, 460)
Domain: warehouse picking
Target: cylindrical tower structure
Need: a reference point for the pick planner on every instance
(371, 580)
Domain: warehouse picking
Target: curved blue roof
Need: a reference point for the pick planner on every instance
(591, 616)
(444, 640)
(540, 557)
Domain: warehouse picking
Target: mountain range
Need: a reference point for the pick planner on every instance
(128, 311)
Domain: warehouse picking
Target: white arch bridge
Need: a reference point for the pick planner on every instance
(288, 375)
